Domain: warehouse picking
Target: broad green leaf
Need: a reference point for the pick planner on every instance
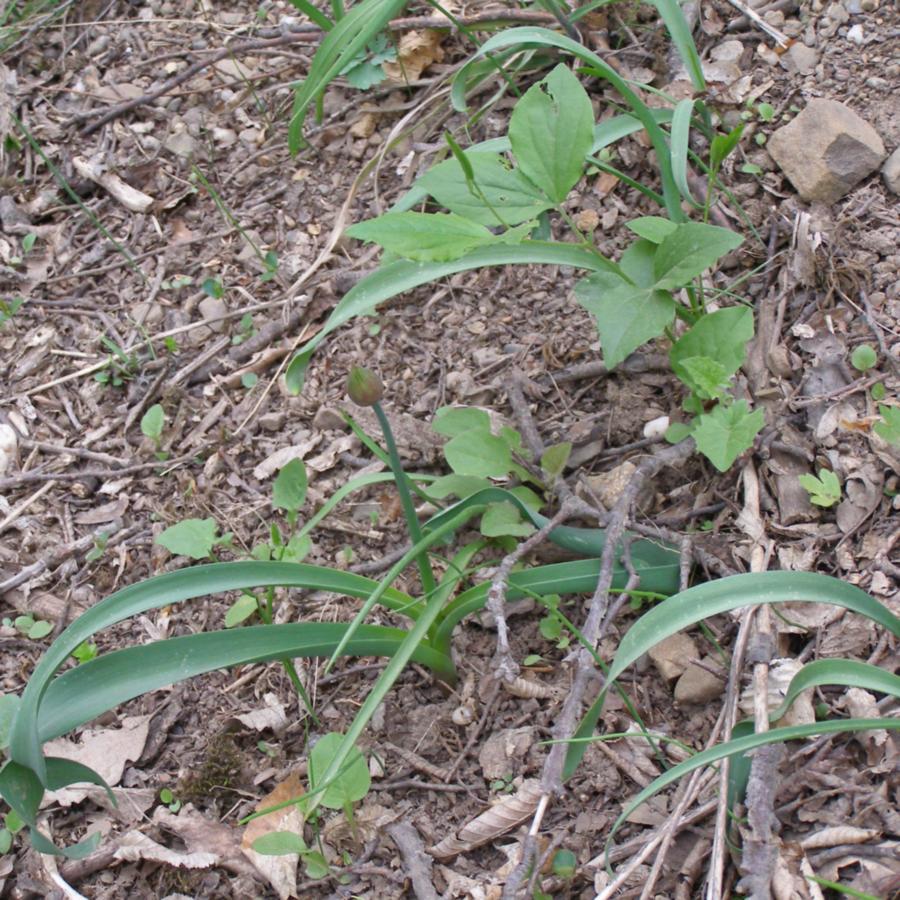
(627, 316)
(478, 453)
(725, 433)
(352, 781)
(296, 549)
(39, 630)
(637, 262)
(505, 189)
(454, 420)
(402, 275)
(714, 597)
(289, 487)
(503, 520)
(652, 228)
(528, 497)
(842, 672)
(192, 537)
(889, 429)
(152, 422)
(530, 36)
(824, 490)
(241, 610)
(678, 432)
(691, 250)
(457, 486)
(721, 335)
(706, 377)
(555, 458)
(280, 843)
(551, 131)
(424, 237)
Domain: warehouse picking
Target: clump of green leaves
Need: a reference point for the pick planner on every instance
(889, 428)
(8, 308)
(121, 366)
(824, 490)
(496, 205)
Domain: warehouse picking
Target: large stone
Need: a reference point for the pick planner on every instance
(826, 150)
(890, 172)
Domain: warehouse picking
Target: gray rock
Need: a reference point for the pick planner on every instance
(181, 144)
(890, 172)
(799, 60)
(826, 150)
(213, 308)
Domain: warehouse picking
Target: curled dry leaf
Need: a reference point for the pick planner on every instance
(416, 51)
(272, 716)
(781, 673)
(498, 820)
(530, 689)
(861, 704)
(279, 871)
(837, 835)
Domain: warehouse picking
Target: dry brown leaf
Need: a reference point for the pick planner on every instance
(105, 750)
(498, 820)
(272, 715)
(416, 51)
(279, 871)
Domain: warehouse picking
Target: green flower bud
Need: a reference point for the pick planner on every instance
(364, 386)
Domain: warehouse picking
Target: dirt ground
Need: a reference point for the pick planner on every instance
(118, 292)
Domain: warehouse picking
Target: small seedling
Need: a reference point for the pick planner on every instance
(85, 651)
(152, 423)
(878, 391)
(100, 542)
(245, 330)
(12, 825)
(212, 287)
(889, 429)
(167, 798)
(8, 308)
(824, 490)
(121, 366)
(32, 628)
(863, 358)
(194, 538)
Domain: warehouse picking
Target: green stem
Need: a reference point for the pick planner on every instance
(265, 613)
(409, 511)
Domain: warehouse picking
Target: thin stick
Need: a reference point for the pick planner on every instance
(760, 22)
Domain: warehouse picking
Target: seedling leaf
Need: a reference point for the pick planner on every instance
(863, 358)
(454, 420)
(555, 458)
(889, 429)
(152, 422)
(192, 537)
(824, 490)
(352, 781)
(652, 228)
(720, 336)
(289, 487)
(725, 433)
(503, 520)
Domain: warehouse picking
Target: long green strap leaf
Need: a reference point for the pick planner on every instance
(344, 41)
(586, 542)
(706, 600)
(743, 745)
(672, 15)
(173, 587)
(403, 274)
(843, 672)
(87, 691)
(681, 132)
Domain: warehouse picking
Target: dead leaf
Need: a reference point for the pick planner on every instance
(281, 457)
(105, 750)
(279, 871)
(271, 716)
(416, 51)
(108, 512)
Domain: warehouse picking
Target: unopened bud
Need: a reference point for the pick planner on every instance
(364, 386)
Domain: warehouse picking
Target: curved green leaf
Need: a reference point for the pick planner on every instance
(681, 132)
(87, 691)
(173, 587)
(344, 41)
(743, 745)
(706, 600)
(402, 275)
(844, 672)
(680, 32)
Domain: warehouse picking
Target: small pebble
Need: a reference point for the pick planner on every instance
(855, 34)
